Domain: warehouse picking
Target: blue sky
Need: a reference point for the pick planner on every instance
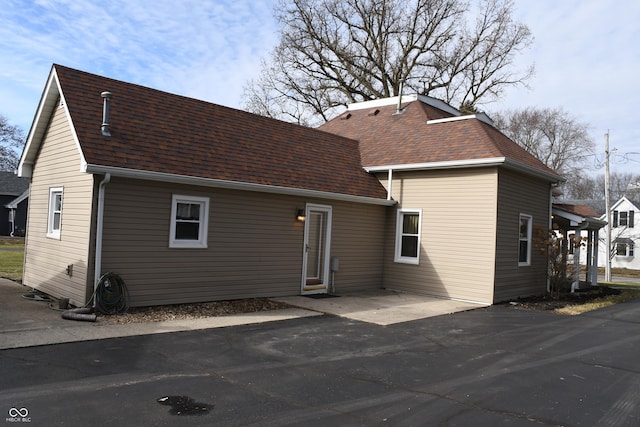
(586, 55)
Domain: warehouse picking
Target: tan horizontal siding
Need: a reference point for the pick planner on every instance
(46, 259)
(520, 194)
(254, 244)
(457, 236)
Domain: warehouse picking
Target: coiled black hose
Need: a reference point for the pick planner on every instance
(111, 295)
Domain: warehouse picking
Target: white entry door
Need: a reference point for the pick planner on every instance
(317, 249)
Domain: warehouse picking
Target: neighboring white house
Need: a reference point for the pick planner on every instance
(625, 236)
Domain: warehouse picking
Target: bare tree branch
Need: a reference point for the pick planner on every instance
(334, 52)
(11, 140)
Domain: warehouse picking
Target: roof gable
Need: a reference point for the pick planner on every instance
(625, 204)
(170, 135)
(424, 135)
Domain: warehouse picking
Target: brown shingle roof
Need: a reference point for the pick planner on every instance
(160, 132)
(580, 210)
(401, 139)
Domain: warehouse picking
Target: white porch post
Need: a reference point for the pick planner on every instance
(594, 263)
(589, 260)
(576, 265)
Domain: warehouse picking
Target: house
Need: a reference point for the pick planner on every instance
(625, 235)
(190, 201)
(468, 199)
(580, 226)
(14, 194)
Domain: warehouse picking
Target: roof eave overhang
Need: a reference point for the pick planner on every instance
(46, 107)
(473, 163)
(15, 202)
(231, 185)
(579, 222)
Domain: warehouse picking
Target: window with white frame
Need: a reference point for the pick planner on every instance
(408, 227)
(189, 222)
(524, 238)
(624, 247)
(54, 221)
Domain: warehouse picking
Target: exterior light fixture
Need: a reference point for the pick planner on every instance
(300, 215)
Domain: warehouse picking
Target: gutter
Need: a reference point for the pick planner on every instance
(232, 185)
(99, 227)
(458, 164)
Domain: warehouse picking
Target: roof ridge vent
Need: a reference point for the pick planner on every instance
(374, 112)
(106, 131)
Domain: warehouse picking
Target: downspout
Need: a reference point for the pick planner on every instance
(389, 183)
(550, 228)
(12, 221)
(99, 227)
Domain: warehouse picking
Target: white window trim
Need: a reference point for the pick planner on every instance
(629, 248)
(529, 239)
(404, 259)
(204, 222)
(51, 232)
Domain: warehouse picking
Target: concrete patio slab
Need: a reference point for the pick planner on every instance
(381, 307)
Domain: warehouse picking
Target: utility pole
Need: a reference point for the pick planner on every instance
(607, 202)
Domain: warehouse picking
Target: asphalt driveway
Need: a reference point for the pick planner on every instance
(485, 367)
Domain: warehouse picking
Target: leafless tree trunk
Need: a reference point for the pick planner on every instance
(334, 52)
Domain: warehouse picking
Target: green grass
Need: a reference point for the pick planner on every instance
(11, 261)
(626, 295)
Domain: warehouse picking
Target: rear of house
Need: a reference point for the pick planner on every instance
(468, 199)
(190, 201)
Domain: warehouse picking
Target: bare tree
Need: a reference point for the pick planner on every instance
(556, 138)
(11, 139)
(333, 52)
(592, 187)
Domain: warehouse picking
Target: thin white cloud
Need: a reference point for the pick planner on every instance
(204, 49)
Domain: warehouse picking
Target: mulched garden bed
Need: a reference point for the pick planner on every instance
(546, 302)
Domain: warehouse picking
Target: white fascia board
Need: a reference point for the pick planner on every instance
(581, 222)
(619, 202)
(456, 164)
(380, 102)
(494, 161)
(231, 185)
(46, 107)
(15, 202)
(38, 126)
(480, 116)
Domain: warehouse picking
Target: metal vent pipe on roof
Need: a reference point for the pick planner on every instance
(399, 107)
(105, 113)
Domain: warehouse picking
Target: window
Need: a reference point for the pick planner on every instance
(623, 219)
(189, 222)
(54, 221)
(624, 247)
(408, 236)
(571, 243)
(524, 249)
